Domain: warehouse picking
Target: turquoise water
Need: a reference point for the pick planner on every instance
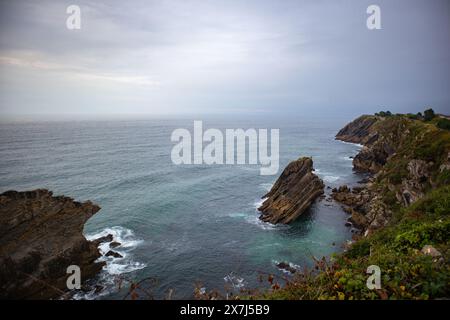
(180, 224)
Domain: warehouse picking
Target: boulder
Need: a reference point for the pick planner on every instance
(114, 254)
(115, 244)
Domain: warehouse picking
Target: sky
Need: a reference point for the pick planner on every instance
(176, 57)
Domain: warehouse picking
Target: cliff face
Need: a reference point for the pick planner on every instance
(292, 193)
(380, 141)
(406, 157)
(40, 236)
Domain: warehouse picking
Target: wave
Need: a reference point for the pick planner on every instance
(331, 179)
(258, 203)
(352, 143)
(292, 265)
(266, 186)
(235, 281)
(114, 266)
(327, 176)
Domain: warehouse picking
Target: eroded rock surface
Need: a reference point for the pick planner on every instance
(293, 193)
(40, 236)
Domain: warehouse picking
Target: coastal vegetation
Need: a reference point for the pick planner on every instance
(403, 210)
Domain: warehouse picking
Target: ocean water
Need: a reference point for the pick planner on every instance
(182, 225)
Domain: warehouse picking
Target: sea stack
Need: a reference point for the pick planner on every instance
(293, 193)
(40, 236)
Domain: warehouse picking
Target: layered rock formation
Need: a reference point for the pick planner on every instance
(40, 236)
(406, 158)
(378, 146)
(293, 193)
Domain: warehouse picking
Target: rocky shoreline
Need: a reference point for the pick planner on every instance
(397, 176)
(40, 236)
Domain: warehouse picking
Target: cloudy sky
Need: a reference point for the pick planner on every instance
(223, 56)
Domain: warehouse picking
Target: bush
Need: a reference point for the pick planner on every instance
(443, 123)
(423, 234)
(384, 114)
(429, 114)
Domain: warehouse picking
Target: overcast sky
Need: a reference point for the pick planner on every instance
(214, 56)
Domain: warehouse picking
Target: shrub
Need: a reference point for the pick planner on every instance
(429, 114)
(443, 123)
(384, 113)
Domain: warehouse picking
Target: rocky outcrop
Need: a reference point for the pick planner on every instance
(360, 130)
(293, 193)
(365, 208)
(406, 158)
(40, 236)
(413, 186)
(378, 146)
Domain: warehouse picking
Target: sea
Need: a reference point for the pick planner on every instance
(181, 227)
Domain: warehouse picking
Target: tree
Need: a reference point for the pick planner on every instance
(429, 114)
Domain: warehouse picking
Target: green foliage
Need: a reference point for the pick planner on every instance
(443, 177)
(412, 116)
(422, 234)
(429, 114)
(433, 147)
(384, 114)
(435, 203)
(359, 249)
(443, 123)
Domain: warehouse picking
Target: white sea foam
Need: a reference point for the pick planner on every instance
(254, 219)
(235, 281)
(292, 265)
(258, 203)
(331, 178)
(128, 242)
(353, 144)
(266, 186)
(114, 266)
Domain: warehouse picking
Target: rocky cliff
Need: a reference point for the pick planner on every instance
(293, 193)
(406, 158)
(40, 236)
(403, 209)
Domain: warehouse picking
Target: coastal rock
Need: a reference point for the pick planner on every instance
(40, 236)
(286, 266)
(413, 187)
(379, 141)
(115, 244)
(114, 254)
(107, 238)
(431, 251)
(293, 193)
(358, 131)
(389, 156)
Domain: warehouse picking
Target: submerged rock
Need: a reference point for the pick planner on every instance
(115, 244)
(114, 254)
(286, 266)
(100, 240)
(293, 193)
(40, 236)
